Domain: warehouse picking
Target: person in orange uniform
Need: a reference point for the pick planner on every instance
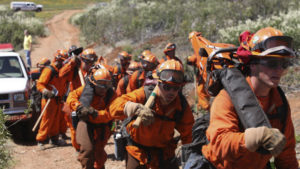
(268, 53)
(51, 120)
(94, 127)
(63, 122)
(149, 63)
(152, 145)
(203, 97)
(70, 73)
(119, 71)
(170, 53)
(123, 83)
(144, 53)
(35, 74)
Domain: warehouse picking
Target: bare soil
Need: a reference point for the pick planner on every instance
(28, 156)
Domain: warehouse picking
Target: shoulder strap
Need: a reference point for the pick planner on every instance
(109, 95)
(165, 58)
(119, 69)
(281, 111)
(140, 71)
(53, 72)
(179, 113)
(126, 81)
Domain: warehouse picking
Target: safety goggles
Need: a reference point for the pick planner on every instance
(168, 87)
(171, 76)
(148, 65)
(89, 58)
(171, 47)
(275, 63)
(103, 84)
(124, 58)
(281, 45)
(59, 58)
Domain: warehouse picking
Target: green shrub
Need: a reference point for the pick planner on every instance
(5, 157)
(12, 26)
(141, 20)
(288, 23)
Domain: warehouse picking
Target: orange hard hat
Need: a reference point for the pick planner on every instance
(89, 55)
(151, 58)
(149, 62)
(101, 78)
(170, 71)
(134, 66)
(124, 56)
(44, 62)
(61, 55)
(145, 53)
(270, 42)
(170, 47)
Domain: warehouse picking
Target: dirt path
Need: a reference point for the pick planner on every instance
(62, 36)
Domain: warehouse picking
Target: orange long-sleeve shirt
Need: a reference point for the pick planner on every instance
(98, 103)
(161, 132)
(69, 72)
(46, 79)
(121, 88)
(118, 72)
(227, 150)
(135, 79)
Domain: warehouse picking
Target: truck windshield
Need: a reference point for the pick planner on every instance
(10, 67)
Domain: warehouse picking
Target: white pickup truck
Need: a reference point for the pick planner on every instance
(25, 6)
(15, 88)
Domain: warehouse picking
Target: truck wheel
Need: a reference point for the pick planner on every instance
(38, 10)
(17, 9)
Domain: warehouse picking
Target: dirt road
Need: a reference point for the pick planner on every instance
(62, 35)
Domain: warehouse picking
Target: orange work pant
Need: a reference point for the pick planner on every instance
(68, 118)
(63, 122)
(50, 123)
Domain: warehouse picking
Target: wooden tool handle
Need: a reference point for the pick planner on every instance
(149, 102)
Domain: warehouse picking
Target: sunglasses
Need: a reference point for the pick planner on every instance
(275, 63)
(168, 87)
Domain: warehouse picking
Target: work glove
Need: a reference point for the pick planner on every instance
(132, 108)
(270, 139)
(82, 112)
(145, 113)
(48, 94)
(92, 112)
